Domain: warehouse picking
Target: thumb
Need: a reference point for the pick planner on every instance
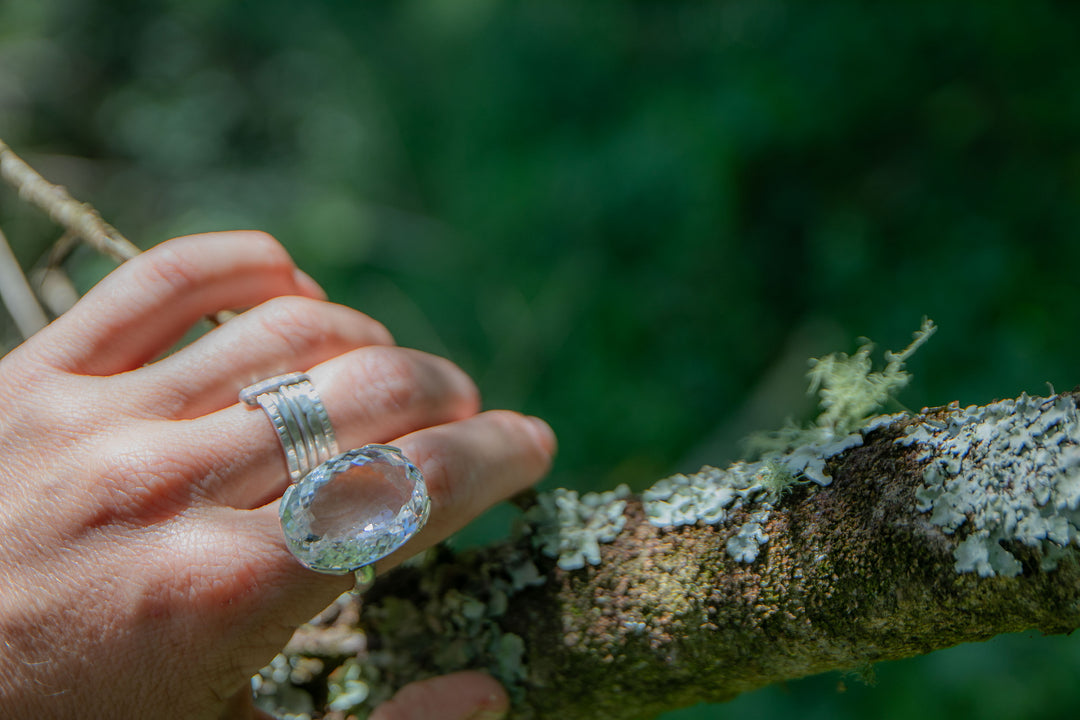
(467, 695)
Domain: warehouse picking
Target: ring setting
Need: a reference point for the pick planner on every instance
(342, 512)
(354, 509)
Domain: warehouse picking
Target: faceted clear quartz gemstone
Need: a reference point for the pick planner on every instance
(354, 509)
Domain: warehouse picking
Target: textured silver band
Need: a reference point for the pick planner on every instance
(298, 417)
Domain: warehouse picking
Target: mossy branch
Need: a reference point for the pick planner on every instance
(853, 573)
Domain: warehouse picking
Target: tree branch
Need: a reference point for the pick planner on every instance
(80, 221)
(57, 203)
(872, 567)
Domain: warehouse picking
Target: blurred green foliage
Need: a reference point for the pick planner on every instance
(616, 215)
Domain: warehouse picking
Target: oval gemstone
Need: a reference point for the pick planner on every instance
(354, 509)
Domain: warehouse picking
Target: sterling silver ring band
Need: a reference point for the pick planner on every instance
(299, 418)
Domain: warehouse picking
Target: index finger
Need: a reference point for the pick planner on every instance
(147, 304)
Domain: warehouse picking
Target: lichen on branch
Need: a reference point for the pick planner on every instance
(733, 587)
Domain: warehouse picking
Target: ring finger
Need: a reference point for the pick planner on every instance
(371, 394)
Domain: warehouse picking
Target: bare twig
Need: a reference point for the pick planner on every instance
(55, 289)
(17, 294)
(54, 200)
(50, 281)
(61, 249)
(79, 220)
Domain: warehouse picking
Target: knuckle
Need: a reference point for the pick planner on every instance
(515, 427)
(294, 323)
(261, 241)
(464, 396)
(181, 264)
(512, 427)
(390, 383)
(448, 479)
(167, 268)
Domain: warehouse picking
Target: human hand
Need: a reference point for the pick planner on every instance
(143, 571)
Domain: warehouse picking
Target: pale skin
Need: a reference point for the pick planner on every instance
(142, 567)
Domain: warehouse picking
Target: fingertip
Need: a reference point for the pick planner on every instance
(308, 286)
(467, 695)
(543, 434)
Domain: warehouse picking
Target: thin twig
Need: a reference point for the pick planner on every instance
(61, 249)
(55, 289)
(17, 295)
(80, 221)
(50, 281)
(79, 218)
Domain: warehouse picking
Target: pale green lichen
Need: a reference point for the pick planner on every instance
(571, 528)
(346, 690)
(450, 626)
(850, 390)
(744, 545)
(450, 623)
(704, 496)
(777, 479)
(1007, 473)
(276, 688)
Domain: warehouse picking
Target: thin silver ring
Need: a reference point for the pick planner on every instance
(299, 419)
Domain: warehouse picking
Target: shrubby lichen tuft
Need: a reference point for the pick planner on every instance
(572, 528)
(1002, 474)
(851, 392)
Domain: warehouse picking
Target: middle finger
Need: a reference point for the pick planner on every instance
(281, 335)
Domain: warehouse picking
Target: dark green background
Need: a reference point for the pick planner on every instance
(635, 219)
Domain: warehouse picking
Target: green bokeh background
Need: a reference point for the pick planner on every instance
(635, 219)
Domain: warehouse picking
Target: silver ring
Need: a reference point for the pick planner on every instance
(342, 512)
(299, 419)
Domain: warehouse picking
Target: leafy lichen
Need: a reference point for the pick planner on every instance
(1000, 475)
(570, 528)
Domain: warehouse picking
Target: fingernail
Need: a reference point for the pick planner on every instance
(308, 284)
(544, 434)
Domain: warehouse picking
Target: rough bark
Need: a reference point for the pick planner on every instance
(852, 574)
